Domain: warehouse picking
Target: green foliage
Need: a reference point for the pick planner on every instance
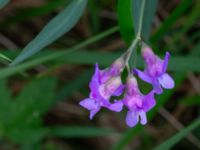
(168, 144)
(21, 116)
(58, 26)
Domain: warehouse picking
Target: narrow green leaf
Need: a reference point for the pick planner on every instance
(179, 136)
(77, 131)
(58, 26)
(3, 3)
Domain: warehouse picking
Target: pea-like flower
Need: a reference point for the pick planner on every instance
(137, 103)
(155, 71)
(104, 84)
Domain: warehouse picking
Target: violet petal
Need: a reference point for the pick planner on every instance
(149, 101)
(93, 112)
(157, 87)
(165, 63)
(119, 90)
(89, 104)
(117, 106)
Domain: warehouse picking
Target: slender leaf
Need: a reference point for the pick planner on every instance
(179, 136)
(58, 26)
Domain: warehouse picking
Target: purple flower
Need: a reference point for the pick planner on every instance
(103, 85)
(137, 103)
(155, 71)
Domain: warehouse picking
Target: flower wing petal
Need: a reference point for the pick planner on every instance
(166, 81)
(132, 118)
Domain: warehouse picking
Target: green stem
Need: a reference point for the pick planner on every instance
(138, 35)
(141, 18)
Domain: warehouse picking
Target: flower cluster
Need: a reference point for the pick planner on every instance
(107, 83)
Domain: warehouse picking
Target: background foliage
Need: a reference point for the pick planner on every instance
(40, 90)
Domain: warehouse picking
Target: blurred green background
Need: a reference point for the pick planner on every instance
(39, 97)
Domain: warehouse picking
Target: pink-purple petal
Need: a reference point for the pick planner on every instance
(94, 83)
(117, 106)
(156, 86)
(89, 104)
(93, 112)
(149, 101)
(166, 81)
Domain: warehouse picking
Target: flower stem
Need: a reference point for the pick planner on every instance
(137, 38)
(141, 18)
